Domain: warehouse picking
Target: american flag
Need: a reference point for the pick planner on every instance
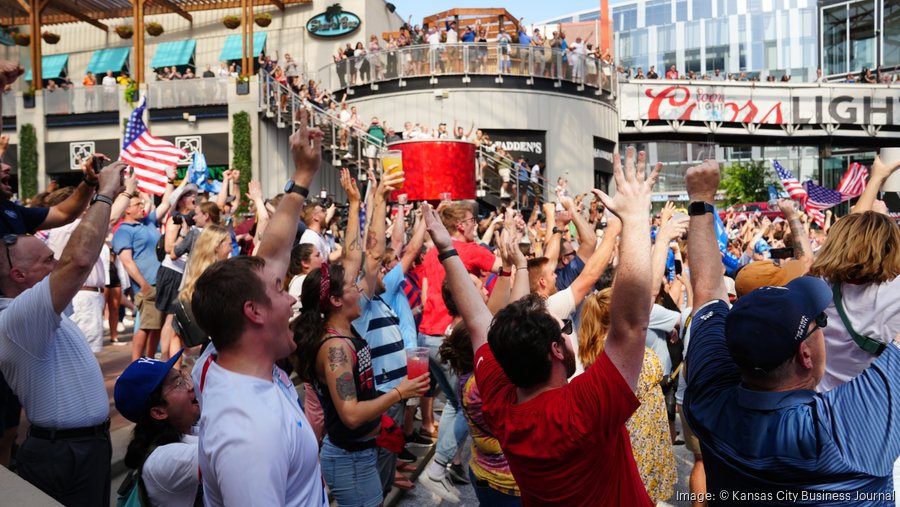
(820, 197)
(854, 181)
(793, 187)
(151, 157)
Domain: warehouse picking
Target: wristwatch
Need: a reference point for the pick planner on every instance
(557, 230)
(698, 208)
(101, 198)
(295, 188)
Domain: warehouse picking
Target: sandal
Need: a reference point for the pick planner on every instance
(401, 482)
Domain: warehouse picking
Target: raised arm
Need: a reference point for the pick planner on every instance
(597, 262)
(706, 260)
(81, 252)
(468, 301)
(671, 230)
(352, 248)
(72, 208)
(630, 307)
(802, 249)
(123, 199)
(555, 222)
(414, 246)
(587, 238)
(254, 193)
(376, 242)
(222, 196)
(880, 173)
(306, 150)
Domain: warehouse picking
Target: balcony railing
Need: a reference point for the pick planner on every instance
(81, 100)
(188, 92)
(468, 59)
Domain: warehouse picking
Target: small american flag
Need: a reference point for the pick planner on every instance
(151, 157)
(793, 187)
(854, 181)
(820, 197)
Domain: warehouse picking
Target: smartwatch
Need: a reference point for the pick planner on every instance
(698, 208)
(295, 188)
(101, 198)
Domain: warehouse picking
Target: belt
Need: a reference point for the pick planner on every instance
(357, 446)
(91, 289)
(101, 429)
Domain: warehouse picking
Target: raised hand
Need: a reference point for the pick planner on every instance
(881, 171)
(111, 179)
(703, 181)
(435, 228)
(391, 180)
(633, 187)
(306, 149)
(673, 229)
(254, 191)
(666, 213)
(349, 186)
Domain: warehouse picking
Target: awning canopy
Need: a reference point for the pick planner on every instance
(175, 53)
(233, 48)
(52, 67)
(113, 59)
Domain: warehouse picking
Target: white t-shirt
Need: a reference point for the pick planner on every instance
(171, 475)
(434, 39)
(452, 36)
(314, 238)
(295, 288)
(874, 312)
(256, 446)
(662, 322)
(562, 306)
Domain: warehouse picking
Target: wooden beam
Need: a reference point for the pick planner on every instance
(138, 13)
(71, 11)
(175, 8)
(279, 4)
(244, 22)
(34, 21)
(24, 5)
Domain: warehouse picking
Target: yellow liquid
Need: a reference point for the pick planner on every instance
(387, 162)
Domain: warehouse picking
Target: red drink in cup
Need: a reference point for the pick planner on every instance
(416, 362)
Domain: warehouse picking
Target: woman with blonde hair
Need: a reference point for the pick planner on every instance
(212, 245)
(649, 425)
(861, 261)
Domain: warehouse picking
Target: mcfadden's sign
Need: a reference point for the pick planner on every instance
(333, 24)
(761, 104)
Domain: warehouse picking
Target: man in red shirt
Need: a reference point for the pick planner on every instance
(566, 443)
(672, 73)
(460, 219)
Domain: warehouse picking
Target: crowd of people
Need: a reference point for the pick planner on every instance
(565, 340)
(865, 76)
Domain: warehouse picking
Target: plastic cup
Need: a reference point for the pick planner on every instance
(416, 362)
(392, 162)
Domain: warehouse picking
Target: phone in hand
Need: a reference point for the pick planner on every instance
(98, 164)
(782, 253)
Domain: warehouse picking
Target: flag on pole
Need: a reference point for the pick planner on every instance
(149, 156)
(793, 187)
(821, 198)
(198, 174)
(854, 181)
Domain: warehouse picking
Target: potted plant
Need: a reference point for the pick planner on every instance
(28, 98)
(154, 29)
(243, 85)
(50, 37)
(22, 39)
(231, 22)
(125, 31)
(263, 19)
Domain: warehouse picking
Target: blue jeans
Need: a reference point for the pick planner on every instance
(352, 477)
(489, 496)
(453, 428)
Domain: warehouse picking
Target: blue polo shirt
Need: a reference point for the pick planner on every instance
(834, 448)
(141, 238)
(568, 273)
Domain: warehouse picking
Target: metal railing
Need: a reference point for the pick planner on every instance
(80, 100)
(9, 103)
(470, 59)
(188, 92)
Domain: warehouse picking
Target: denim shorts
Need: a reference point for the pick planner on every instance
(352, 477)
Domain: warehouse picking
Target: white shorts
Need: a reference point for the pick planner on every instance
(504, 175)
(371, 151)
(88, 315)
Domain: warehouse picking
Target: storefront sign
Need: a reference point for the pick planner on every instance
(761, 104)
(530, 144)
(336, 25)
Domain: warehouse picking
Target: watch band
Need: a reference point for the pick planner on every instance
(697, 208)
(446, 255)
(101, 198)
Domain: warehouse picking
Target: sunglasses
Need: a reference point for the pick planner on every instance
(567, 326)
(821, 322)
(8, 241)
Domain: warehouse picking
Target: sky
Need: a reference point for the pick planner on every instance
(532, 10)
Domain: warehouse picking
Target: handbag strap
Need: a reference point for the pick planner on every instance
(869, 345)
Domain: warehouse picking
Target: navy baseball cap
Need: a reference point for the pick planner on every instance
(765, 327)
(137, 382)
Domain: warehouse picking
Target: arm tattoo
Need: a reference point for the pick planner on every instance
(336, 357)
(796, 232)
(354, 245)
(345, 387)
(371, 241)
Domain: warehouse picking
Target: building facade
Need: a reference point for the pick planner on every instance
(858, 35)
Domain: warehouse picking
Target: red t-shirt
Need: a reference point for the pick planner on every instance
(568, 446)
(476, 258)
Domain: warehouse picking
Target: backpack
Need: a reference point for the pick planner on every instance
(161, 248)
(186, 326)
(132, 492)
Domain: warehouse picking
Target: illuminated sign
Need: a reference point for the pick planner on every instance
(332, 25)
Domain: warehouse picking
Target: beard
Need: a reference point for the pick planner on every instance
(569, 361)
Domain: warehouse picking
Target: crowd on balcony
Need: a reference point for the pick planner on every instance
(865, 76)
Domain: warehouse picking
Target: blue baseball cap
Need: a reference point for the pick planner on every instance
(761, 247)
(137, 382)
(765, 327)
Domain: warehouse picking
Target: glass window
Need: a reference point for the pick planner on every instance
(681, 10)
(716, 31)
(590, 16)
(862, 35)
(754, 6)
(625, 18)
(891, 50)
(659, 12)
(692, 34)
(692, 60)
(702, 9)
(834, 40)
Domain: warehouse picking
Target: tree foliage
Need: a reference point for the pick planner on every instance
(747, 182)
(242, 161)
(28, 162)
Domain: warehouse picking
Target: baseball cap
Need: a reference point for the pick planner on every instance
(134, 385)
(765, 328)
(766, 273)
(761, 247)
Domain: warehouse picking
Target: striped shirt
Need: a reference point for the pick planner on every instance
(48, 364)
(379, 325)
(834, 448)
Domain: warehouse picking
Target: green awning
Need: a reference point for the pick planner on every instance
(234, 47)
(175, 53)
(52, 67)
(113, 59)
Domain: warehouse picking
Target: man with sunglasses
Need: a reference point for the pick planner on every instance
(765, 434)
(48, 363)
